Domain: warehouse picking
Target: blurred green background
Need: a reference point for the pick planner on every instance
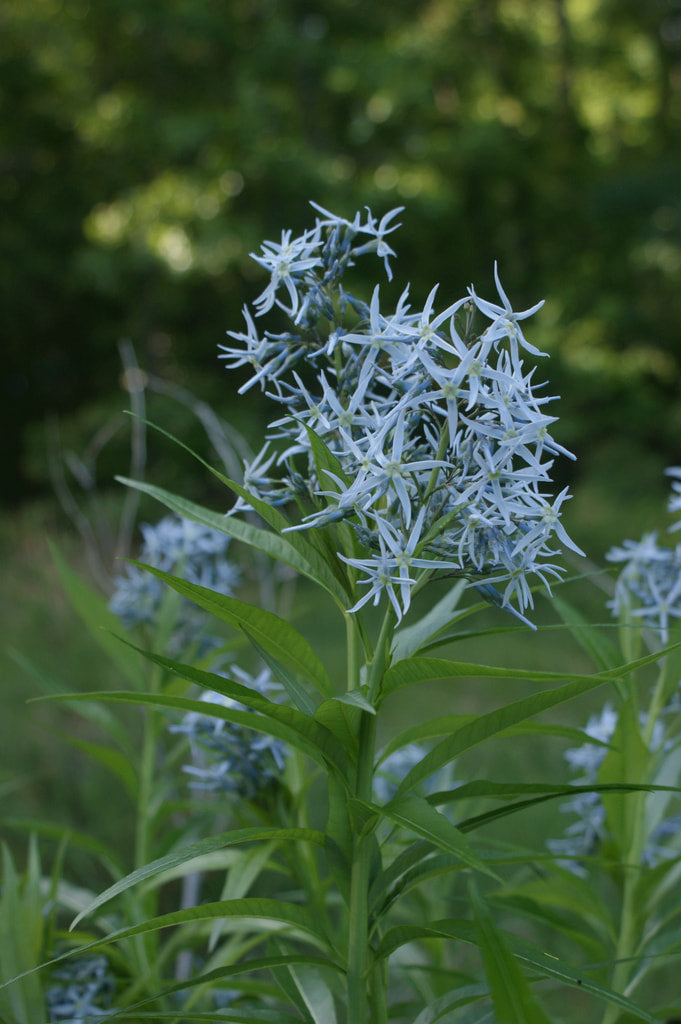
(148, 146)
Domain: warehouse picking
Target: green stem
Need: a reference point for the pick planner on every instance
(353, 649)
(629, 931)
(143, 830)
(657, 702)
(359, 965)
(627, 940)
(358, 930)
(630, 927)
(381, 659)
(378, 1003)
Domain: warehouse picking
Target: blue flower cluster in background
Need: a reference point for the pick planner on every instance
(230, 757)
(649, 584)
(82, 990)
(439, 430)
(188, 549)
(226, 756)
(584, 836)
(647, 593)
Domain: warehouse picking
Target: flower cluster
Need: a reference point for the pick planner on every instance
(649, 584)
(584, 836)
(439, 440)
(185, 548)
(82, 991)
(230, 757)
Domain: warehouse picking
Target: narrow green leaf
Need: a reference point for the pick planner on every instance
(544, 963)
(448, 724)
(114, 760)
(325, 460)
(410, 639)
(342, 721)
(481, 788)
(315, 993)
(305, 727)
(511, 994)
(627, 761)
(296, 692)
(198, 849)
(442, 1007)
(418, 816)
(429, 866)
(492, 724)
(339, 837)
(93, 611)
(250, 908)
(227, 1016)
(282, 976)
(356, 700)
(302, 557)
(276, 635)
(341, 716)
(604, 653)
(364, 816)
(420, 670)
(265, 963)
(478, 820)
(284, 723)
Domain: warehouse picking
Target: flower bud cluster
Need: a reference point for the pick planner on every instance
(440, 435)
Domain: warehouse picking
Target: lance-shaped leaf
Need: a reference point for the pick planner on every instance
(544, 963)
(188, 853)
(284, 723)
(512, 996)
(448, 724)
(249, 910)
(492, 724)
(301, 556)
(417, 815)
(341, 716)
(276, 635)
(101, 623)
(295, 690)
(263, 963)
(306, 728)
(413, 670)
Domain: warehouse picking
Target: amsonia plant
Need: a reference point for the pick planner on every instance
(409, 446)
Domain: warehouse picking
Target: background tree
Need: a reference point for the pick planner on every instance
(147, 146)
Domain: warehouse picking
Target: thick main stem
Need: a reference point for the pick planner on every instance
(358, 930)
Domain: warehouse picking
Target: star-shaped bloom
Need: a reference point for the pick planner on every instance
(505, 321)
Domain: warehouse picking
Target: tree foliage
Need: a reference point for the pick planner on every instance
(147, 146)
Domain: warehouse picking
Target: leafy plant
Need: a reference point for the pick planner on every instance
(419, 452)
